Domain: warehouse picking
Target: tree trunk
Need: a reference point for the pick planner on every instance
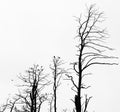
(78, 96)
(55, 87)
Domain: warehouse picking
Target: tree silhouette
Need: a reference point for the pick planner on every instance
(30, 96)
(57, 72)
(90, 52)
(34, 82)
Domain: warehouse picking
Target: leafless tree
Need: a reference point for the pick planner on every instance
(57, 72)
(30, 96)
(34, 82)
(90, 52)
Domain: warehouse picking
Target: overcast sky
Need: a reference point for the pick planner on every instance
(32, 31)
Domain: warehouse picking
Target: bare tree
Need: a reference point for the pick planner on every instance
(34, 82)
(90, 52)
(57, 74)
(30, 96)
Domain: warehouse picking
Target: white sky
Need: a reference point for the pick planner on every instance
(32, 31)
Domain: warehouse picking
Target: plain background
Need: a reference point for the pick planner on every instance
(32, 31)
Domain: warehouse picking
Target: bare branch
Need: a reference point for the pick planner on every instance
(100, 45)
(86, 103)
(86, 75)
(71, 78)
(98, 63)
(84, 87)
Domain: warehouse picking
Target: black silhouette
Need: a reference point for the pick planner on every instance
(57, 72)
(29, 98)
(90, 52)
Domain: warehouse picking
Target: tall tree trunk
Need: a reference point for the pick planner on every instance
(78, 106)
(55, 87)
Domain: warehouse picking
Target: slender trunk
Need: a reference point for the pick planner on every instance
(55, 97)
(79, 87)
(55, 87)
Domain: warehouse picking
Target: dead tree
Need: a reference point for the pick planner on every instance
(90, 52)
(30, 96)
(33, 83)
(57, 72)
